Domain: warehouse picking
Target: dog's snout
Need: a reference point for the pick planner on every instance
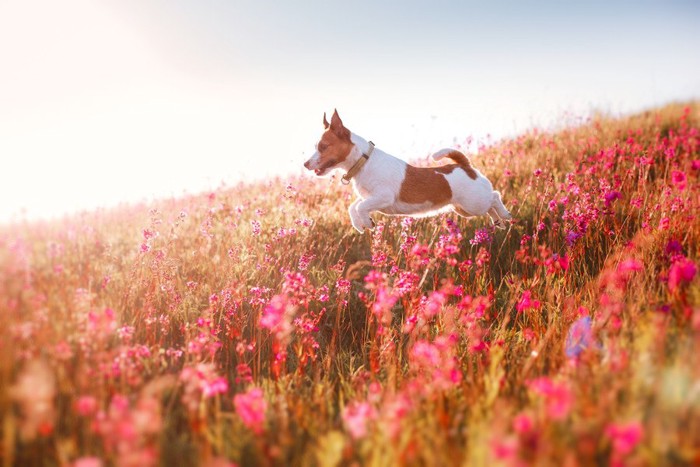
(307, 164)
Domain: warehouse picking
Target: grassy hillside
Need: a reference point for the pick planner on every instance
(252, 325)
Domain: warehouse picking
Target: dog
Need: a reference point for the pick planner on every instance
(390, 186)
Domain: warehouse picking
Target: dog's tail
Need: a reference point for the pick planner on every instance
(459, 158)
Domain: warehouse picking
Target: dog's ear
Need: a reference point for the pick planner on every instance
(325, 122)
(337, 126)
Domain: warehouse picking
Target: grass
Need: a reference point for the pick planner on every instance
(253, 326)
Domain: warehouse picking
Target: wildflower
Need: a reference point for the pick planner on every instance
(34, 393)
(679, 179)
(504, 449)
(526, 302)
(356, 417)
(436, 361)
(579, 338)
(611, 196)
(394, 411)
(383, 303)
(201, 381)
(674, 249)
(215, 386)
(682, 272)
(571, 237)
(557, 395)
(481, 236)
(277, 317)
(251, 406)
(86, 405)
(523, 424)
(343, 286)
(624, 437)
(88, 462)
(637, 202)
(628, 267)
(434, 304)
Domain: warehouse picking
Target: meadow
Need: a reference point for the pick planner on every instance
(253, 326)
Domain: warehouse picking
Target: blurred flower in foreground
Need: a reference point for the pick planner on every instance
(682, 272)
(356, 417)
(251, 406)
(624, 438)
(34, 392)
(557, 395)
(579, 338)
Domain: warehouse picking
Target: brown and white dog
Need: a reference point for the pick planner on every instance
(389, 185)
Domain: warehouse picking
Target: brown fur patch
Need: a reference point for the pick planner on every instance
(334, 147)
(425, 185)
(463, 162)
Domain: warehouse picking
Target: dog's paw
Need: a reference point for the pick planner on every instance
(500, 224)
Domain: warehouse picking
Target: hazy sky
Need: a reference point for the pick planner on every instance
(103, 101)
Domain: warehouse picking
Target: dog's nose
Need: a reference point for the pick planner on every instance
(307, 163)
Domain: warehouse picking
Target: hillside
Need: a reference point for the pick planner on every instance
(253, 325)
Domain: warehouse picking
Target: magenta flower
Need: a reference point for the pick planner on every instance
(523, 424)
(679, 179)
(558, 396)
(86, 405)
(481, 236)
(526, 302)
(277, 317)
(251, 406)
(88, 462)
(682, 272)
(356, 417)
(624, 437)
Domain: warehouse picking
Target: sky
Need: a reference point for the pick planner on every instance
(110, 101)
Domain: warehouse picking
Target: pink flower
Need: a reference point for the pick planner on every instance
(557, 395)
(523, 424)
(88, 462)
(624, 437)
(86, 405)
(277, 317)
(214, 387)
(526, 302)
(436, 363)
(251, 406)
(504, 449)
(679, 179)
(356, 417)
(34, 392)
(682, 272)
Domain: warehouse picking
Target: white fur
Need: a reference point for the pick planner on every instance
(379, 182)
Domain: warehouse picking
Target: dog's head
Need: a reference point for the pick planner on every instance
(333, 147)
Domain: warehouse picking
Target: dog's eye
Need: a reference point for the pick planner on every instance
(322, 147)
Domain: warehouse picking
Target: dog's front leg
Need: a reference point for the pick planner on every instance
(355, 217)
(365, 207)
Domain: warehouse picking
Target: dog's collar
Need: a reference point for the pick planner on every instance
(358, 165)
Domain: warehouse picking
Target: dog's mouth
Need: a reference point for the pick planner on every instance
(321, 170)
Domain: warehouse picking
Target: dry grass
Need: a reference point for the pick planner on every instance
(252, 325)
